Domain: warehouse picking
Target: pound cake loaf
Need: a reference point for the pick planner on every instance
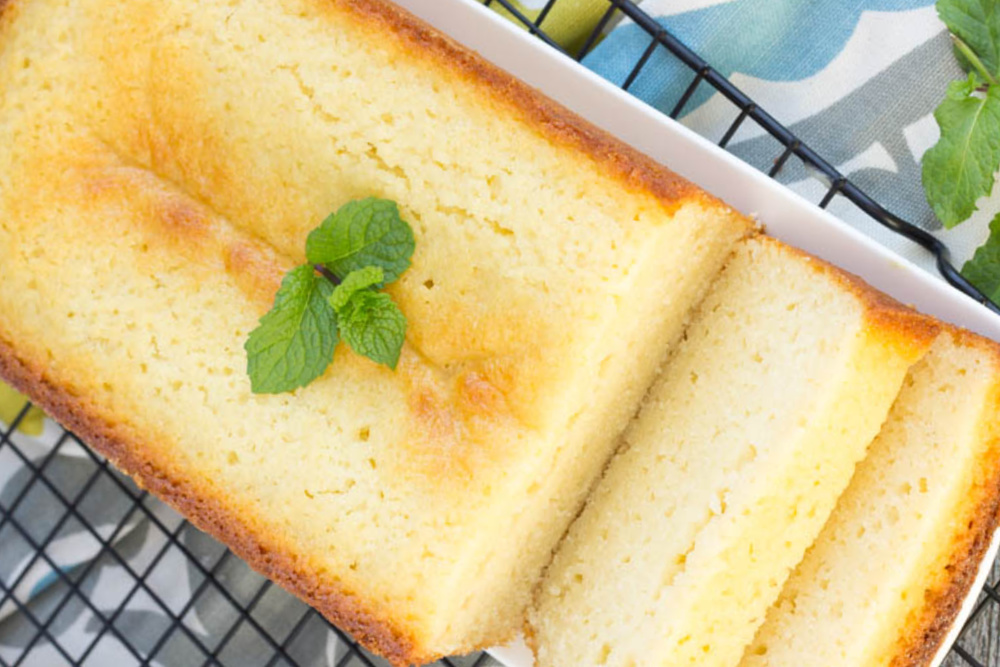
(884, 581)
(731, 468)
(162, 164)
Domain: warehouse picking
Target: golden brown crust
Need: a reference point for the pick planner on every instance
(5, 6)
(634, 169)
(966, 338)
(911, 333)
(262, 552)
(920, 643)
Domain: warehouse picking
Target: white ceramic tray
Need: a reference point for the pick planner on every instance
(786, 215)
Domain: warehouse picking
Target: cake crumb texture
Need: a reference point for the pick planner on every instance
(731, 468)
(885, 579)
(163, 163)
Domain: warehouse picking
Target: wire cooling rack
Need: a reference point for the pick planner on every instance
(746, 110)
(143, 621)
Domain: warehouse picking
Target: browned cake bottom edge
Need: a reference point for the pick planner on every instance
(944, 598)
(920, 644)
(263, 553)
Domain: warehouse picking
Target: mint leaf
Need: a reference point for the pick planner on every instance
(374, 327)
(355, 282)
(368, 232)
(294, 343)
(959, 169)
(977, 23)
(983, 270)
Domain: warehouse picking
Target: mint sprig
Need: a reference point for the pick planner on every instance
(359, 249)
(959, 169)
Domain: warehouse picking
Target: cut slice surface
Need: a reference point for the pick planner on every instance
(892, 566)
(731, 468)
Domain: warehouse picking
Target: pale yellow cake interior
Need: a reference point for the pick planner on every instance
(729, 472)
(902, 530)
(163, 163)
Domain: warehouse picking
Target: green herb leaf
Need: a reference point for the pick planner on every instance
(368, 232)
(355, 282)
(983, 270)
(294, 343)
(959, 169)
(977, 23)
(374, 327)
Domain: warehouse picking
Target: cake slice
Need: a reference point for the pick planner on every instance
(162, 163)
(730, 469)
(888, 574)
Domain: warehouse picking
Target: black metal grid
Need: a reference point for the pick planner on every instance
(745, 109)
(276, 640)
(279, 640)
